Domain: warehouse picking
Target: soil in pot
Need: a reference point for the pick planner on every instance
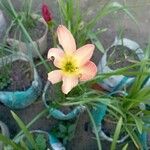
(54, 96)
(16, 76)
(35, 32)
(121, 56)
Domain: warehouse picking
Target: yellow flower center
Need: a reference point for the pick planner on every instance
(69, 65)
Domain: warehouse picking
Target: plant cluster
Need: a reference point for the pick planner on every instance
(72, 74)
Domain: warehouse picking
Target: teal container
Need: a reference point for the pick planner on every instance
(21, 99)
(56, 113)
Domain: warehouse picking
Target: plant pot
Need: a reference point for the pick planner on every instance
(2, 25)
(21, 98)
(40, 43)
(116, 82)
(4, 131)
(98, 116)
(51, 141)
(57, 113)
(108, 129)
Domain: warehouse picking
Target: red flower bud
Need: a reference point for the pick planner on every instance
(46, 13)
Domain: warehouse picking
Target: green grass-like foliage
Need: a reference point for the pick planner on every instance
(25, 141)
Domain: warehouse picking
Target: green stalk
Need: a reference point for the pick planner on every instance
(117, 133)
(32, 122)
(95, 130)
(25, 131)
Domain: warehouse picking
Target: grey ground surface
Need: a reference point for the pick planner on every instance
(140, 33)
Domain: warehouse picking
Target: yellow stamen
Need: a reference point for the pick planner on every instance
(69, 65)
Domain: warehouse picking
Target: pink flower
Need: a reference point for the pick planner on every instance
(73, 65)
(46, 13)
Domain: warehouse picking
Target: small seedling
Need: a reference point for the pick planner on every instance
(64, 131)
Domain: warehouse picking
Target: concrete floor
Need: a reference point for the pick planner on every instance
(139, 33)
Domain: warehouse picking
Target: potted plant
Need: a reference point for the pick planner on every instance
(73, 66)
(42, 141)
(4, 131)
(35, 140)
(64, 131)
(108, 112)
(131, 103)
(122, 53)
(36, 27)
(51, 97)
(20, 83)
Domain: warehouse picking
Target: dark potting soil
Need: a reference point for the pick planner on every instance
(121, 56)
(65, 109)
(54, 95)
(35, 33)
(20, 76)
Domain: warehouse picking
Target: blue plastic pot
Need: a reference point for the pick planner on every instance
(56, 113)
(21, 99)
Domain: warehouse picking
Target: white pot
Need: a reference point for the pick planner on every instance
(2, 24)
(112, 82)
(41, 43)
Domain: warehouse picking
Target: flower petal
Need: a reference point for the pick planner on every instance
(55, 76)
(84, 54)
(56, 55)
(66, 39)
(69, 83)
(88, 71)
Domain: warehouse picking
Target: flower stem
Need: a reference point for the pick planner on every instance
(32, 122)
(95, 129)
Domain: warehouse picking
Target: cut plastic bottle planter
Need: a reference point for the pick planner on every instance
(56, 113)
(40, 43)
(21, 99)
(118, 81)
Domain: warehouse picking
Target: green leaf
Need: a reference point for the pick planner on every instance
(72, 128)
(139, 123)
(95, 130)
(125, 147)
(24, 145)
(8, 141)
(41, 142)
(59, 135)
(62, 128)
(25, 130)
(134, 138)
(117, 133)
(109, 8)
(96, 41)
